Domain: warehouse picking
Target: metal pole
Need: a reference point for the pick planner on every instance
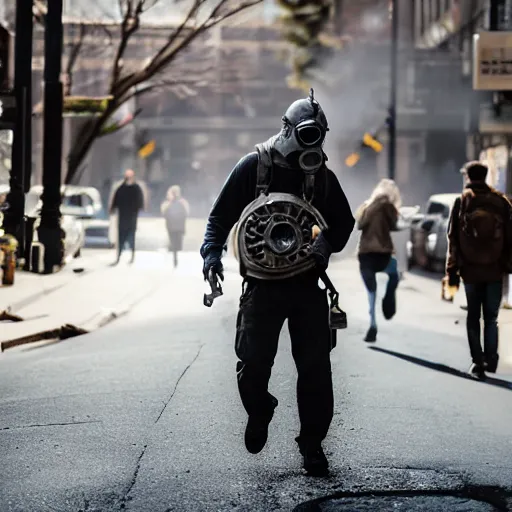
(19, 181)
(393, 91)
(50, 230)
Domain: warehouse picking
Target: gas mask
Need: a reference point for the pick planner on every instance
(302, 136)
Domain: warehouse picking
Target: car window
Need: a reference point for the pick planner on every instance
(72, 200)
(87, 200)
(434, 208)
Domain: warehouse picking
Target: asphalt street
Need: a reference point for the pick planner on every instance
(143, 415)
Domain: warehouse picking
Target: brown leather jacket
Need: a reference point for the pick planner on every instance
(376, 221)
(454, 260)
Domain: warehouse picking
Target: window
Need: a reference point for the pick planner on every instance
(435, 208)
(74, 200)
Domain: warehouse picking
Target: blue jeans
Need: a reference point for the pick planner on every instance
(483, 298)
(369, 266)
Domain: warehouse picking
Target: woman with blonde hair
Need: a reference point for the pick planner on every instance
(376, 218)
(175, 210)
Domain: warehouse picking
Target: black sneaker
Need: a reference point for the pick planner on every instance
(491, 364)
(315, 461)
(371, 335)
(389, 305)
(477, 371)
(256, 431)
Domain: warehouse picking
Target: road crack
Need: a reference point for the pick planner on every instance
(133, 481)
(52, 424)
(166, 403)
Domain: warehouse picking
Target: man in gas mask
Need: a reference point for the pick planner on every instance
(276, 195)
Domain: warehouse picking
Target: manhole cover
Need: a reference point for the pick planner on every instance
(394, 503)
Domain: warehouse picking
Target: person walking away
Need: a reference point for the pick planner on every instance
(377, 218)
(175, 210)
(283, 285)
(479, 253)
(128, 201)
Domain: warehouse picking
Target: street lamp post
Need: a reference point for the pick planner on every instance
(21, 162)
(50, 233)
(393, 91)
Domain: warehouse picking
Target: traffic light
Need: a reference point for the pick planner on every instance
(352, 159)
(146, 145)
(147, 149)
(372, 142)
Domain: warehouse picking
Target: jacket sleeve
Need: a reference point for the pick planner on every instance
(362, 219)
(508, 233)
(115, 200)
(164, 206)
(453, 256)
(237, 192)
(141, 199)
(392, 215)
(338, 215)
(186, 206)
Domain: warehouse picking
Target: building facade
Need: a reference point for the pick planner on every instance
(452, 29)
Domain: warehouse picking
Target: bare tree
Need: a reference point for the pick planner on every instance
(154, 73)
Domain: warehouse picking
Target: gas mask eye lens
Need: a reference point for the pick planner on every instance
(309, 135)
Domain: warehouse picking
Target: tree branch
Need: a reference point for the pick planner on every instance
(73, 56)
(174, 36)
(168, 53)
(129, 25)
(164, 84)
(122, 87)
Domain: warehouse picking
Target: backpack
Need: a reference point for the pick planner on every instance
(176, 216)
(314, 186)
(482, 236)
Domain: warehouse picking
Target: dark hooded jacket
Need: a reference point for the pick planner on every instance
(455, 263)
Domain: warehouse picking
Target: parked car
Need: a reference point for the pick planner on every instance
(72, 226)
(429, 243)
(85, 204)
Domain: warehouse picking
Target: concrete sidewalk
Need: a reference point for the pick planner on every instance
(29, 287)
(88, 299)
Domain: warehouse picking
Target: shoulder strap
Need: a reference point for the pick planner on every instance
(264, 171)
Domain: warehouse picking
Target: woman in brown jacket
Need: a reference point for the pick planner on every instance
(376, 218)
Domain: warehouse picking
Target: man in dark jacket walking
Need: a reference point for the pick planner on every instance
(479, 251)
(274, 195)
(128, 201)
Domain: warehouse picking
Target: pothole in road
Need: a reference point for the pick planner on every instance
(469, 500)
(394, 503)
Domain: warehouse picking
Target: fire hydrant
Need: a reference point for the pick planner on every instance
(8, 247)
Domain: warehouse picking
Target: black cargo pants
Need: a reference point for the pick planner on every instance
(264, 306)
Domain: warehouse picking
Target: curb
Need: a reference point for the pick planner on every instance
(68, 331)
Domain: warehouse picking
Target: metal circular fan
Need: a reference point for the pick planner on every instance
(273, 237)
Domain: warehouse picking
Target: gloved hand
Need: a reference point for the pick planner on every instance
(212, 261)
(453, 278)
(321, 252)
